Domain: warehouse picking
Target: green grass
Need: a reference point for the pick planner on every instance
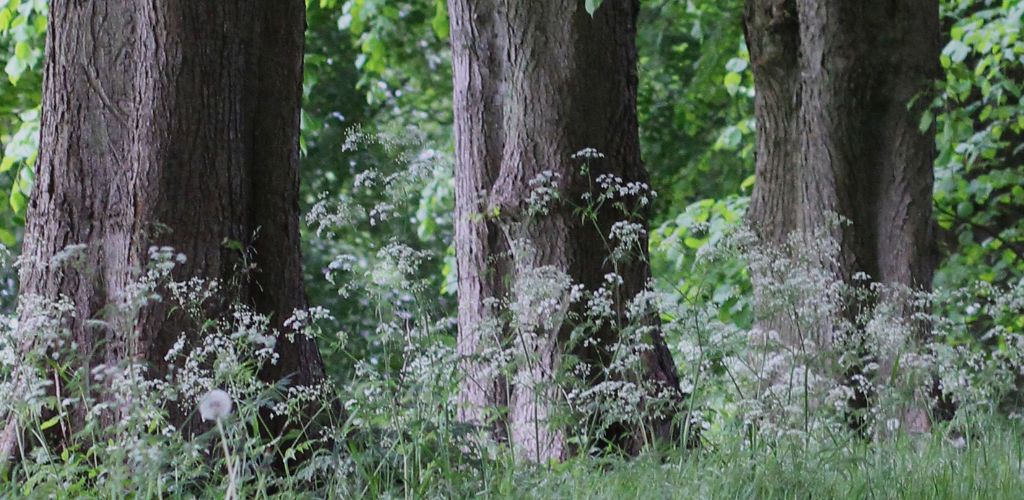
(989, 467)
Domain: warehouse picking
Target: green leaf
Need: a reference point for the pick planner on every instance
(22, 50)
(729, 139)
(7, 238)
(14, 68)
(736, 65)
(965, 209)
(926, 121)
(747, 183)
(956, 50)
(694, 243)
(39, 23)
(895, 369)
(592, 6)
(26, 178)
(732, 82)
(50, 423)
(231, 244)
(440, 21)
(18, 200)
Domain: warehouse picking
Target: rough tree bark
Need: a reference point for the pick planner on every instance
(534, 83)
(836, 132)
(169, 122)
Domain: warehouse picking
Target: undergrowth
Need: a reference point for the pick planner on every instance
(772, 408)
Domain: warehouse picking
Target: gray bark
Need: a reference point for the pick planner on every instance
(834, 80)
(170, 122)
(536, 82)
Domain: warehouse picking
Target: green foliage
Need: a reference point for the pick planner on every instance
(403, 60)
(697, 131)
(676, 246)
(22, 30)
(978, 113)
(695, 101)
(395, 189)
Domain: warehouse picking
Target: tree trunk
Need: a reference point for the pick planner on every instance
(837, 134)
(169, 123)
(536, 82)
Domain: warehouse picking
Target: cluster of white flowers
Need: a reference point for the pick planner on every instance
(27, 346)
(163, 259)
(344, 264)
(614, 187)
(644, 305)
(799, 372)
(304, 321)
(328, 216)
(366, 179)
(540, 298)
(601, 305)
(628, 233)
(544, 191)
(145, 290)
(791, 376)
(300, 397)
(614, 400)
(587, 154)
(70, 255)
(629, 239)
(397, 265)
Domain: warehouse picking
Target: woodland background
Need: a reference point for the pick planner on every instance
(377, 96)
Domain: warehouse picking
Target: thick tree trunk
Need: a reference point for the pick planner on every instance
(837, 134)
(169, 122)
(536, 82)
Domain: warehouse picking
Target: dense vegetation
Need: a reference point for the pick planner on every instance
(755, 413)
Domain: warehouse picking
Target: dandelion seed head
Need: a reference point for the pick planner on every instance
(214, 405)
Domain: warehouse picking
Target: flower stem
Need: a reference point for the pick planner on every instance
(230, 494)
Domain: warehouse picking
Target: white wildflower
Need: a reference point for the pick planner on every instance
(543, 192)
(587, 153)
